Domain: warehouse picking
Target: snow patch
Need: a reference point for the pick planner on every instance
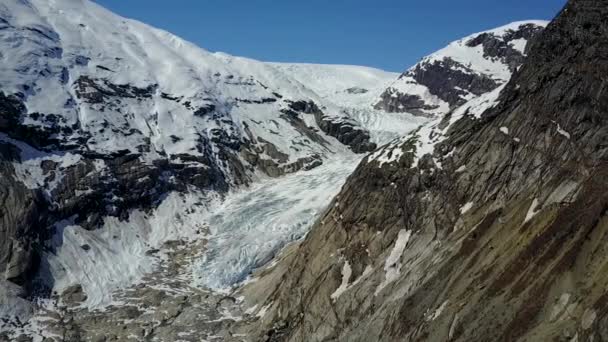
(519, 44)
(435, 314)
(392, 266)
(346, 273)
(588, 318)
(561, 131)
(263, 311)
(560, 306)
(465, 208)
(532, 210)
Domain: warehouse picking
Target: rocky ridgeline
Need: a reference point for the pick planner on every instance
(453, 76)
(479, 226)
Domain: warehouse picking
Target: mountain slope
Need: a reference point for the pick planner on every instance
(486, 225)
(458, 73)
(117, 137)
(344, 85)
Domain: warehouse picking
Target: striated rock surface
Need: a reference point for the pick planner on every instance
(486, 225)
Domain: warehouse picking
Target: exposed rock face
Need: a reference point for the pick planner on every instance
(21, 221)
(476, 227)
(504, 49)
(452, 81)
(462, 71)
(346, 130)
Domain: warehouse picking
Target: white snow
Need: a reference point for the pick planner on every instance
(346, 273)
(504, 130)
(427, 136)
(453, 326)
(264, 310)
(473, 57)
(560, 306)
(392, 266)
(519, 44)
(588, 319)
(561, 131)
(29, 170)
(532, 210)
(251, 226)
(465, 208)
(117, 252)
(472, 60)
(408, 85)
(331, 82)
(251, 310)
(438, 311)
(87, 37)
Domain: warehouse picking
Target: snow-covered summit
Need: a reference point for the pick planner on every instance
(109, 85)
(100, 71)
(463, 70)
(345, 85)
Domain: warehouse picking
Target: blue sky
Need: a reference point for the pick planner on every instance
(388, 34)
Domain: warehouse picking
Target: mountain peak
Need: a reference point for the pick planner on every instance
(463, 70)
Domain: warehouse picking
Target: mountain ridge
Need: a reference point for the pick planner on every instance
(464, 69)
(216, 166)
(493, 231)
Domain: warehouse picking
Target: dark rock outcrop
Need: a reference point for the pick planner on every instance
(22, 222)
(451, 81)
(393, 101)
(101, 91)
(503, 49)
(346, 130)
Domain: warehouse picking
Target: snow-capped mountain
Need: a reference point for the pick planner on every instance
(488, 224)
(116, 137)
(148, 177)
(345, 85)
(463, 70)
(118, 86)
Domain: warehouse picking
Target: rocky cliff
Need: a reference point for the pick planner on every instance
(488, 224)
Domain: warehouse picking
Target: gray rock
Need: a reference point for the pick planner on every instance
(74, 295)
(495, 266)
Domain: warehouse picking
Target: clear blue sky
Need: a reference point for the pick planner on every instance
(388, 34)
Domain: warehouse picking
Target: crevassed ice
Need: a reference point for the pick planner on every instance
(251, 226)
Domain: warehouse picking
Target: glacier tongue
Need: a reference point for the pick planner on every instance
(251, 226)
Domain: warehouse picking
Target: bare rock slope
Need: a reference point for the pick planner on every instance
(487, 225)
